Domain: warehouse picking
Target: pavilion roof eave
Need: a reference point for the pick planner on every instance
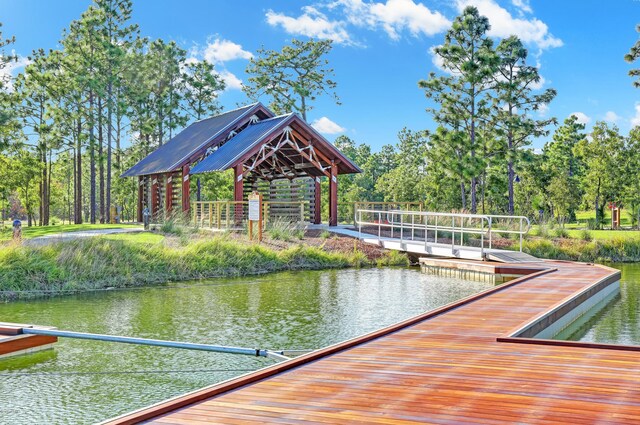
(291, 119)
(251, 109)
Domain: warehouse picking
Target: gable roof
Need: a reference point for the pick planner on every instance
(227, 154)
(191, 140)
(241, 145)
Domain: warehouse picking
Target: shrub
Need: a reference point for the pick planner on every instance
(282, 229)
(586, 235)
(393, 258)
(325, 234)
(562, 232)
(543, 231)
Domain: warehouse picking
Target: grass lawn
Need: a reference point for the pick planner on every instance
(139, 237)
(599, 235)
(606, 235)
(35, 231)
(583, 216)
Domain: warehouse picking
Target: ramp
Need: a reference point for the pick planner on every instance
(504, 256)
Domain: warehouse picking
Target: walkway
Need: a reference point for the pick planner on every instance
(68, 236)
(430, 248)
(455, 365)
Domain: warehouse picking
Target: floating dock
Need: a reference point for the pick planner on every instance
(482, 359)
(13, 342)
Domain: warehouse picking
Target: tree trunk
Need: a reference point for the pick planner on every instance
(510, 174)
(101, 160)
(463, 194)
(109, 129)
(78, 182)
(92, 164)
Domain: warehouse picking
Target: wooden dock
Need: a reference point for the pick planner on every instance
(468, 362)
(13, 342)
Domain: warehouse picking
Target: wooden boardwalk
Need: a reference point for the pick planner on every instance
(456, 365)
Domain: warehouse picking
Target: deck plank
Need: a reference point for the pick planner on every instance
(447, 369)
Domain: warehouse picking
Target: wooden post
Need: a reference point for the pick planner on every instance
(140, 197)
(238, 183)
(155, 201)
(317, 210)
(255, 214)
(168, 196)
(186, 188)
(333, 195)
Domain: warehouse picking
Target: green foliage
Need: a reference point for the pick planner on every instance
(325, 234)
(586, 235)
(293, 77)
(393, 258)
(468, 54)
(284, 230)
(561, 232)
(94, 263)
(632, 56)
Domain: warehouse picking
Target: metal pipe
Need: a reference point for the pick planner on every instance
(151, 342)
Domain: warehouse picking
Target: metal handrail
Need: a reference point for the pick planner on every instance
(453, 223)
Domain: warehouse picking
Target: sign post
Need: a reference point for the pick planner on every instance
(255, 214)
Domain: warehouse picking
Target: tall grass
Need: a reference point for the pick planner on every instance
(95, 263)
(284, 230)
(616, 250)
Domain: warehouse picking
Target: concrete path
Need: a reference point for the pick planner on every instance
(68, 236)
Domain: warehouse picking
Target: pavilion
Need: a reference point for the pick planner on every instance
(256, 144)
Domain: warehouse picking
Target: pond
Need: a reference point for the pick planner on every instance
(619, 321)
(88, 381)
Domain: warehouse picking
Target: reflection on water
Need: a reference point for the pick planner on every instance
(618, 322)
(88, 381)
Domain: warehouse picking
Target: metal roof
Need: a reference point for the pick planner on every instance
(227, 154)
(189, 141)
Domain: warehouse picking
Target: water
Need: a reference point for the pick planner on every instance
(88, 381)
(619, 321)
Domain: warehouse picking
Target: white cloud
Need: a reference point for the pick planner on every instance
(611, 117)
(326, 126)
(522, 5)
(231, 80)
(538, 85)
(219, 50)
(503, 24)
(543, 109)
(312, 23)
(394, 16)
(398, 15)
(11, 69)
(584, 118)
(635, 121)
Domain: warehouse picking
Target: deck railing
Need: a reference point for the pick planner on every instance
(459, 230)
(233, 214)
(347, 211)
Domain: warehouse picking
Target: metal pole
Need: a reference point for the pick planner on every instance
(393, 222)
(413, 223)
(453, 233)
(145, 341)
(379, 224)
(401, 227)
(436, 239)
(490, 233)
(520, 234)
(359, 223)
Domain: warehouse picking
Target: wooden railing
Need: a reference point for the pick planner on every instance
(233, 214)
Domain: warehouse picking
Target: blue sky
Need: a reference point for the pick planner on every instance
(382, 49)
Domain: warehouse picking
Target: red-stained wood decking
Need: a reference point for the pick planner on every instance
(445, 367)
(12, 342)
